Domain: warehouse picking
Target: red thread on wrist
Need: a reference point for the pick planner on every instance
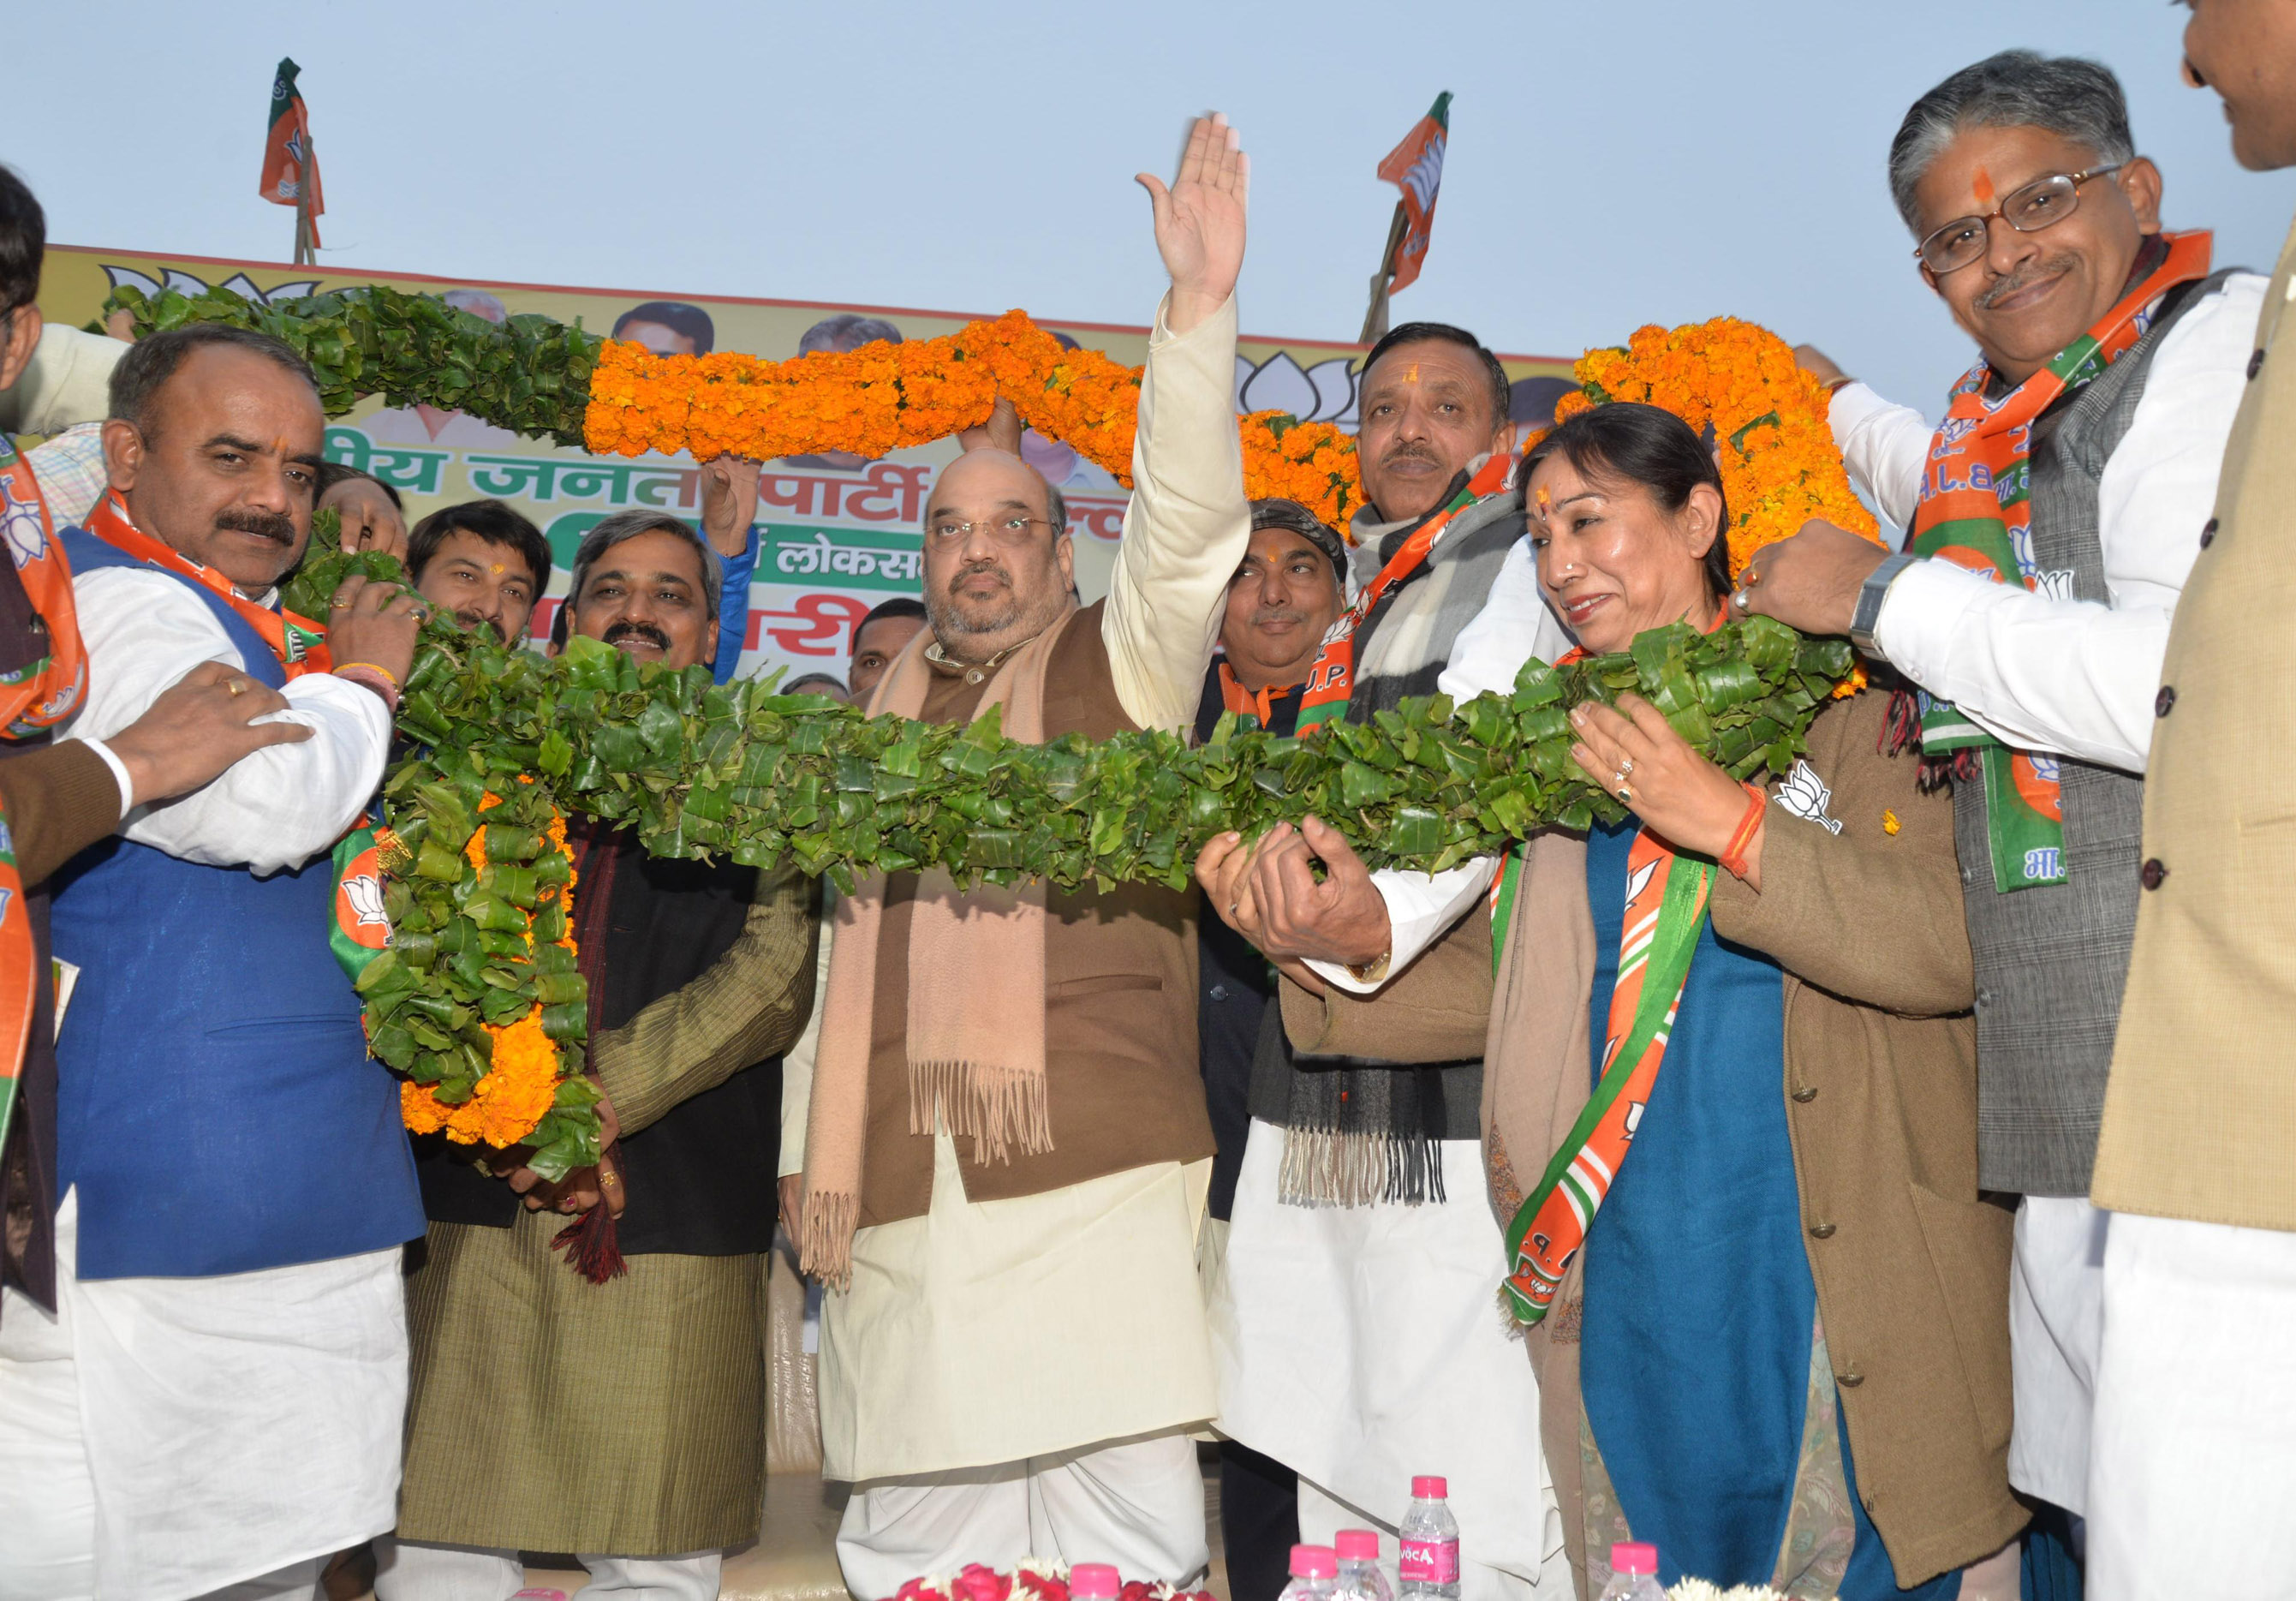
(1734, 857)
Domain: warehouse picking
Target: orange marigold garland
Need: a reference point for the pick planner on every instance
(885, 397)
(1780, 466)
(1768, 417)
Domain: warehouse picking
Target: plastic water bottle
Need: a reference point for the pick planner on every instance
(1314, 1571)
(1094, 1581)
(1361, 1578)
(1430, 1543)
(1634, 1573)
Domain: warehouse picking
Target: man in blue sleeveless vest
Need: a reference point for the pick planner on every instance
(226, 1373)
(2113, 359)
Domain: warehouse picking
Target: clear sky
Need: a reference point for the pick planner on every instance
(1612, 164)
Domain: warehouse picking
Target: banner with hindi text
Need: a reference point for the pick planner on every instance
(838, 535)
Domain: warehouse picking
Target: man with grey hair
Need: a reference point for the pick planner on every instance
(2053, 517)
(625, 1424)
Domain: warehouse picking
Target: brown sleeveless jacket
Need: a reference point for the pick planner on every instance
(1119, 999)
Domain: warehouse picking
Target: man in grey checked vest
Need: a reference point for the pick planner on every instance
(2112, 361)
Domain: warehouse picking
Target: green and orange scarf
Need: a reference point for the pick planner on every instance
(1667, 897)
(1976, 512)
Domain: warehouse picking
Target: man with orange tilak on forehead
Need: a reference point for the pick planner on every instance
(2055, 514)
(1007, 1152)
(1358, 1254)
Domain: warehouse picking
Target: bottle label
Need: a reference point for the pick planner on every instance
(1430, 1561)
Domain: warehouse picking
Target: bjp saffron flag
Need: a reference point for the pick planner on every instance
(1415, 167)
(288, 163)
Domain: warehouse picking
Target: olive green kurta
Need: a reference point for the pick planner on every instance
(548, 1413)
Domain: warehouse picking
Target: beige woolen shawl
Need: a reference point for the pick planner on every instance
(976, 1060)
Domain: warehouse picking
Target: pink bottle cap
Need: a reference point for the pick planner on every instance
(1308, 1562)
(1094, 1581)
(1634, 1556)
(1431, 1487)
(1357, 1545)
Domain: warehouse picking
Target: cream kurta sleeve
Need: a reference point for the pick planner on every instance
(1187, 528)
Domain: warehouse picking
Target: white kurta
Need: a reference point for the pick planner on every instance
(1362, 1346)
(992, 1332)
(227, 1426)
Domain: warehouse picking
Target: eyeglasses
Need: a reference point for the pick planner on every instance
(2040, 204)
(1004, 530)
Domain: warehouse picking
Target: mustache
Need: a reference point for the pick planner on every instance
(630, 628)
(274, 526)
(1267, 614)
(973, 568)
(1409, 450)
(2022, 279)
(472, 622)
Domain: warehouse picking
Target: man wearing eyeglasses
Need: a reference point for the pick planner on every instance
(2055, 515)
(1006, 1148)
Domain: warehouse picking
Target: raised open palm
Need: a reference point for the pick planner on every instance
(1200, 220)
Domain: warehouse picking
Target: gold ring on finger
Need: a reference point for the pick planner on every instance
(235, 687)
(1625, 792)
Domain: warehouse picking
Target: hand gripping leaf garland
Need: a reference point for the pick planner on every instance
(477, 999)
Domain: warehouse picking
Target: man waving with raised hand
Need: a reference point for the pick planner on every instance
(1007, 1149)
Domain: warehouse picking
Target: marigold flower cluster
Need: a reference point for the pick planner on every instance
(520, 1084)
(1311, 463)
(1780, 466)
(883, 397)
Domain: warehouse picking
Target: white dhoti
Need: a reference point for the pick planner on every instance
(1361, 1346)
(1005, 1370)
(2192, 1485)
(162, 1439)
(2056, 1313)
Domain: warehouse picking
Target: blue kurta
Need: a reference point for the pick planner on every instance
(1694, 1369)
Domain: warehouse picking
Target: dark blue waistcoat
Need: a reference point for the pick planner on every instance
(216, 1107)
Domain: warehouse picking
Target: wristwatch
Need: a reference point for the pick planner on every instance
(1870, 596)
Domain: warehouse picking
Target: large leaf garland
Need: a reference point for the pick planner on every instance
(480, 980)
(538, 376)
(739, 770)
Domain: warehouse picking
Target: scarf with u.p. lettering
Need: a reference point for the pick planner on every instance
(1976, 512)
(976, 1062)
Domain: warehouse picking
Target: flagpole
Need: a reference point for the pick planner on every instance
(304, 256)
(1374, 328)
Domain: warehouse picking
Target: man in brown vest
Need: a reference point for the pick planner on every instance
(1007, 1150)
(2196, 1384)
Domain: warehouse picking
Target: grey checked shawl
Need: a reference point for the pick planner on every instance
(1356, 1131)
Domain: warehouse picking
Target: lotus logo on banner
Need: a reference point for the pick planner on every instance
(1415, 167)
